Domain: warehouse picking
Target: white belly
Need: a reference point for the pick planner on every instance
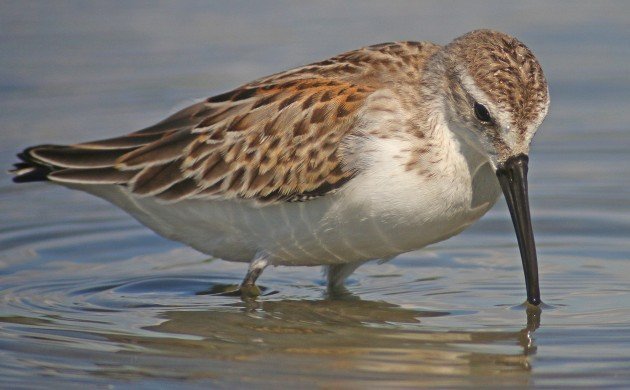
(377, 215)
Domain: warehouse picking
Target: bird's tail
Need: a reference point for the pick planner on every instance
(79, 164)
(30, 168)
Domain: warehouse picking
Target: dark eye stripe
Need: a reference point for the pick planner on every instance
(482, 113)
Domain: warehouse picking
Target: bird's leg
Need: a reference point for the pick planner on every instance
(336, 275)
(248, 286)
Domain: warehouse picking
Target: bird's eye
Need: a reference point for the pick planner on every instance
(481, 112)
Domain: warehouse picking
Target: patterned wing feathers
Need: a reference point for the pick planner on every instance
(269, 142)
(286, 145)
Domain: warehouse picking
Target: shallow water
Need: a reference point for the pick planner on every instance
(89, 297)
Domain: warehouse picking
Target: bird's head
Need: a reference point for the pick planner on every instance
(496, 97)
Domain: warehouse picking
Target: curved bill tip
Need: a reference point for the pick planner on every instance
(512, 176)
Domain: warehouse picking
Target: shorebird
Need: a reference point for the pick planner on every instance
(366, 155)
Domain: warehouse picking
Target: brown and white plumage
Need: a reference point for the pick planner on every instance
(277, 138)
(382, 142)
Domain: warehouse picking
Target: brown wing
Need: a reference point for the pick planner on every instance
(276, 138)
(275, 141)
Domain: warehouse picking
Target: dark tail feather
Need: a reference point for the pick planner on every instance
(70, 164)
(33, 173)
(31, 169)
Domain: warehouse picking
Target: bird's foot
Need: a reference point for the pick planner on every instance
(249, 291)
(245, 291)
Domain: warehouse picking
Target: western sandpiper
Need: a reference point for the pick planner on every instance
(366, 155)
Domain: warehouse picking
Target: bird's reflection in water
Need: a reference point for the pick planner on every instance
(526, 335)
(343, 336)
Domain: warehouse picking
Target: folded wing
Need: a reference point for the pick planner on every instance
(280, 140)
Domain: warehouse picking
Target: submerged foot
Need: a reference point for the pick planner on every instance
(233, 290)
(249, 291)
(340, 293)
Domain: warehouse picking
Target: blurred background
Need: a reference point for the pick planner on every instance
(88, 296)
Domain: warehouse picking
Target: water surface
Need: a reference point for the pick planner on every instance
(90, 297)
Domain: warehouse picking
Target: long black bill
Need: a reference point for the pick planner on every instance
(513, 179)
